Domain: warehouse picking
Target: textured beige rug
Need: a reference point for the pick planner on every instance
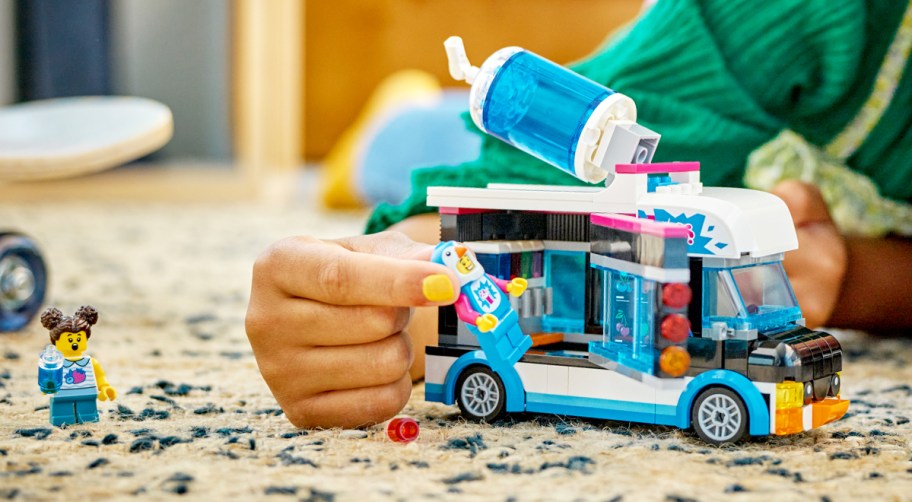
(194, 418)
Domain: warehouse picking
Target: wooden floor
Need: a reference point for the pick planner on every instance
(179, 182)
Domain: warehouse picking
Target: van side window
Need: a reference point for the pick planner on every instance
(717, 299)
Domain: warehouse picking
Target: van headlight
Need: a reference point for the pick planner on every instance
(836, 384)
(790, 395)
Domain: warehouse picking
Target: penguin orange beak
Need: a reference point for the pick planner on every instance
(460, 251)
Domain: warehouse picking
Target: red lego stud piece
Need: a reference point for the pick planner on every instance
(675, 328)
(402, 429)
(676, 295)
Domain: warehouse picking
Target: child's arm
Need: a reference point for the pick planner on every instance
(845, 282)
(875, 291)
(327, 323)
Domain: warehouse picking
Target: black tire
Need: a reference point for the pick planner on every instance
(480, 394)
(23, 281)
(719, 416)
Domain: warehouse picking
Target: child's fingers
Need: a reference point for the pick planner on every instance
(392, 244)
(343, 367)
(349, 408)
(816, 270)
(333, 274)
(296, 322)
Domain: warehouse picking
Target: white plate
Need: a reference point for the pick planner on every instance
(65, 137)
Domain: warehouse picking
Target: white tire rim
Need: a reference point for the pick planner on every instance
(720, 417)
(17, 283)
(480, 394)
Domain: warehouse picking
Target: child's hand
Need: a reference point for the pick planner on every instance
(327, 323)
(817, 268)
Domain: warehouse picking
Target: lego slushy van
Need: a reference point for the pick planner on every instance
(649, 299)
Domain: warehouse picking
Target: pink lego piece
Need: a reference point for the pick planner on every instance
(462, 210)
(640, 225)
(658, 167)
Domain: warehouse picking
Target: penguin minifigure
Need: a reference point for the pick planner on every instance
(484, 306)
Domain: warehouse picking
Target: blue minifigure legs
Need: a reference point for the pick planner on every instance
(63, 411)
(504, 345)
(75, 410)
(87, 409)
(515, 339)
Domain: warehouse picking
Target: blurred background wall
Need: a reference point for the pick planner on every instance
(208, 59)
(178, 52)
(7, 53)
(173, 51)
(351, 45)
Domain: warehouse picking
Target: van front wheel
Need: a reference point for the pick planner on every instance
(719, 416)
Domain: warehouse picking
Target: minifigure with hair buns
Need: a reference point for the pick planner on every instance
(82, 380)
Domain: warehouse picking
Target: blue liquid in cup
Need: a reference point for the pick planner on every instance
(541, 107)
(50, 370)
(50, 380)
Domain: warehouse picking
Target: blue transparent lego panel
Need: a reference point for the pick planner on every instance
(565, 274)
(497, 265)
(629, 334)
(766, 295)
(509, 265)
(540, 107)
(503, 266)
(575, 354)
(676, 253)
(488, 262)
(718, 302)
(764, 287)
(751, 297)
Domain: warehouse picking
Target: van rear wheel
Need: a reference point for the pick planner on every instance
(23, 281)
(719, 416)
(480, 394)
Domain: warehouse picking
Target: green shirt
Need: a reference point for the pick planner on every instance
(719, 78)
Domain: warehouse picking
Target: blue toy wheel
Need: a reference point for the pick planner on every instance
(23, 281)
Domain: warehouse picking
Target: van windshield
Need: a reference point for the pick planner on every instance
(764, 288)
(749, 297)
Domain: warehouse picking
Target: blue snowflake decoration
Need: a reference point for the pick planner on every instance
(698, 238)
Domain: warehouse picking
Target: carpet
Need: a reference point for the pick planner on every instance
(193, 417)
